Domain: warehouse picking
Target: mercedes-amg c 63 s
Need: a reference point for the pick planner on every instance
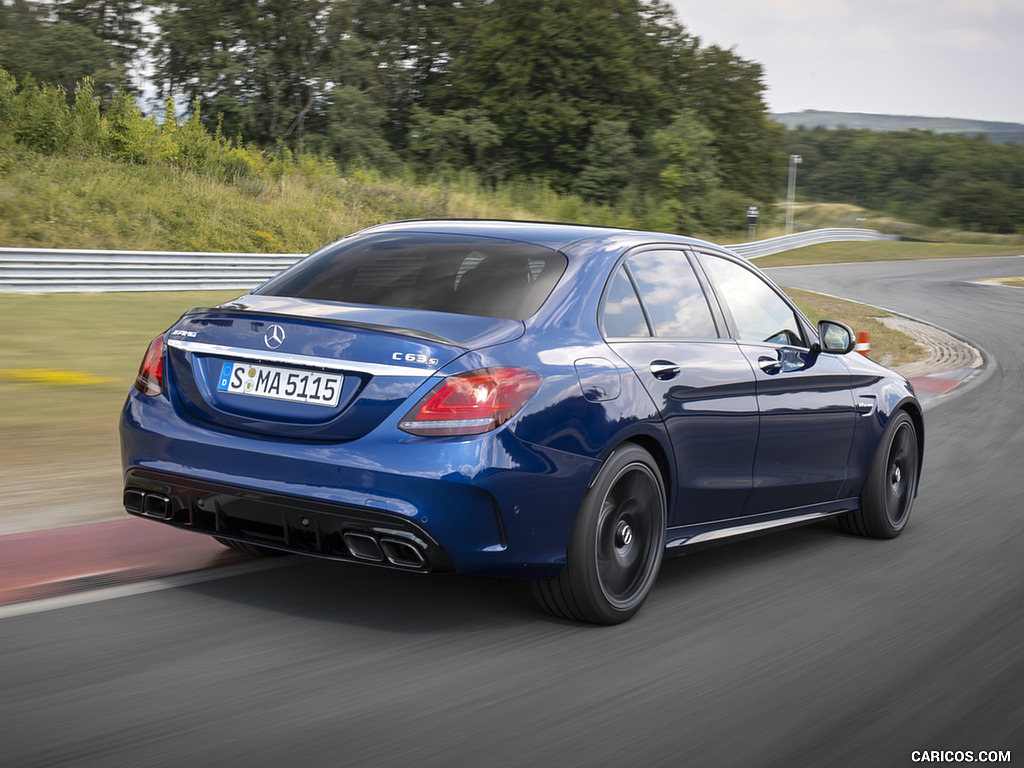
(560, 403)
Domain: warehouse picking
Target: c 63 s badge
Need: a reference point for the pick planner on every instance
(410, 357)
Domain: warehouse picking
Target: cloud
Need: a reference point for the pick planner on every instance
(958, 58)
(968, 41)
(985, 8)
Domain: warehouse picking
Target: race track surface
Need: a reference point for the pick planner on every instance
(803, 648)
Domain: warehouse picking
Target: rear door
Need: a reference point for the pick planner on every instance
(701, 384)
(804, 397)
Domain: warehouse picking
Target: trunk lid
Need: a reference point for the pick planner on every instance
(314, 370)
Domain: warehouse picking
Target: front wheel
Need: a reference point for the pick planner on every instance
(616, 546)
(891, 483)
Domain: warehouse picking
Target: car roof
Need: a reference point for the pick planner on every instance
(557, 236)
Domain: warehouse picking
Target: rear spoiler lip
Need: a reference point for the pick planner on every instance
(396, 330)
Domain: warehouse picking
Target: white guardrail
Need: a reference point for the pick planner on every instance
(759, 248)
(43, 270)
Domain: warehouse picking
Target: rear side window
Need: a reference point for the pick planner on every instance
(622, 315)
(439, 272)
(673, 296)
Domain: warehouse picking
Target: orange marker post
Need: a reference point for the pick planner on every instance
(863, 343)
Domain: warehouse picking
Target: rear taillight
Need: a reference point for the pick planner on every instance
(471, 403)
(150, 380)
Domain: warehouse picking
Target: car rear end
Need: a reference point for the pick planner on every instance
(361, 406)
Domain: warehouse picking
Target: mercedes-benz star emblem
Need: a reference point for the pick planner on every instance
(274, 337)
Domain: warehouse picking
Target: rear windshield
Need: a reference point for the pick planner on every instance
(464, 274)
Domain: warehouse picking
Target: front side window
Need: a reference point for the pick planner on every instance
(760, 314)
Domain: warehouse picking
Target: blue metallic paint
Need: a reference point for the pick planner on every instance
(736, 446)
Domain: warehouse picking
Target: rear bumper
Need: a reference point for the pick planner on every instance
(303, 526)
(488, 505)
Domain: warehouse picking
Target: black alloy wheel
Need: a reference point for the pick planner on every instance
(891, 485)
(617, 544)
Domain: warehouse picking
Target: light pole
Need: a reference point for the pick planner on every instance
(794, 161)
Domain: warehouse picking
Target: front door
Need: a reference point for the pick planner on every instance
(804, 396)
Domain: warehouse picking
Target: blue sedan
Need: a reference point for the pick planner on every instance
(560, 403)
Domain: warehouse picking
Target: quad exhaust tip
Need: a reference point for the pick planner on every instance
(363, 546)
(397, 552)
(134, 500)
(402, 553)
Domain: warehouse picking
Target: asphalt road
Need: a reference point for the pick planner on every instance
(803, 648)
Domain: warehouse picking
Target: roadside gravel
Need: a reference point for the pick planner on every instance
(944, 352)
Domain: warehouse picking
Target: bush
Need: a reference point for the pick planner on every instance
(40, 119)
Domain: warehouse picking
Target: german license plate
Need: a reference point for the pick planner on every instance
(291, 384)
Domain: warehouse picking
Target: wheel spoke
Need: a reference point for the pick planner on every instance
(901, 475)
(631, 505)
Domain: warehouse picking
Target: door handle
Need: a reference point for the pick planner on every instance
(770, 365)
(664, 370)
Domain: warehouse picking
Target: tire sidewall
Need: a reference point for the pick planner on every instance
(582, 557)
(873, 506)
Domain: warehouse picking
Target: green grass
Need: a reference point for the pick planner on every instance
(69, 202)
(888, 346)
(882, 250)
(826, 215)
(67, 362)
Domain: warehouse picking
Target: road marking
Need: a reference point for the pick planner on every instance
(53, 378)
(139, 588)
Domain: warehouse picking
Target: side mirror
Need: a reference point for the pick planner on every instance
(836, 338)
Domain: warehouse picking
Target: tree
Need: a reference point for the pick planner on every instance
(547, 71)
(412, 45)
(727, 92)
(116, 22)
(610, 159)
(981, 206)
(28, 43)
(457, 139)
(354, 135)
(688, 177)
(257, 63)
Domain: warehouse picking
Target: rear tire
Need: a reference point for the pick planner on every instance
(249, 549)
(891, 485)
(616, 546)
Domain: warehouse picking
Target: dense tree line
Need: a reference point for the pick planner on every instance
(935, 179)
(613, 100)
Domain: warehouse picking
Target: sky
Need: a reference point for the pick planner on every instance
(925, 58)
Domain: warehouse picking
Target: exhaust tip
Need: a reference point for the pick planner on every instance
(402, 553)
(363, 546)
(156, 506)
(134, 500)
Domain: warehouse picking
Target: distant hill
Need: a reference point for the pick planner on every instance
(1004, 133)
